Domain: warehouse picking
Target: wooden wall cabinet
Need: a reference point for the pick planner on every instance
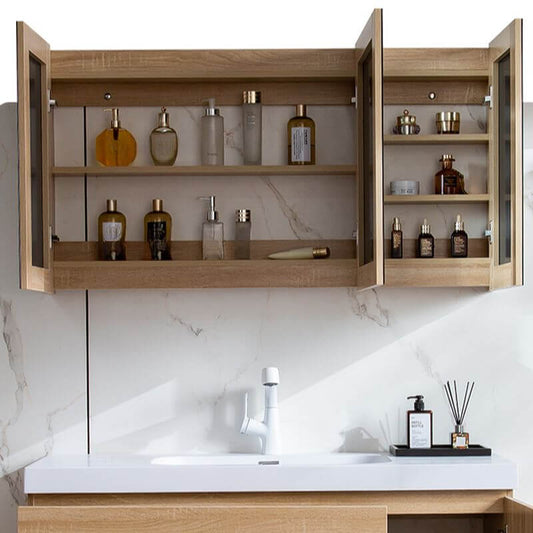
(367, 77)
(490, 511)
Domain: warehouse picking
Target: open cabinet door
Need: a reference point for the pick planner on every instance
(369, 101)
(33, 73)
(518, 516)
(506, 169)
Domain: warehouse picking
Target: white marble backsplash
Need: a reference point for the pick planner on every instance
(168, 369)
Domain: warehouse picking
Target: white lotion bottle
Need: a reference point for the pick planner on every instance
(212, 233)
(252, 127)
(212, 133)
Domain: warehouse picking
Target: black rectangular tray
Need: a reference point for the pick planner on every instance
(439, 450)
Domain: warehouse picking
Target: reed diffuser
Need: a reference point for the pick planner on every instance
(460, 438)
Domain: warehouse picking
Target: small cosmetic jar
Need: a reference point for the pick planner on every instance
(406, 124)
(404, 187)
(448, 122)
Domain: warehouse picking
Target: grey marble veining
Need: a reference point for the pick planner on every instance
(367, 306)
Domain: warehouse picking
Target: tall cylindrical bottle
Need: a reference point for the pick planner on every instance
(212, 133)
(158, 231)
(243, 227)
(112, 234)
(301, 138)
(252, 127)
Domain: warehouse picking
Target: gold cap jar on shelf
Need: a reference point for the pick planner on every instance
(448, 122)
(406, 124)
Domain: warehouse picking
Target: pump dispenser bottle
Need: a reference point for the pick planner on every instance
(112, 234)
(212, 132)
(163, 141)
(158, 231)
(419, 425)
(115, 146)
(212, 233)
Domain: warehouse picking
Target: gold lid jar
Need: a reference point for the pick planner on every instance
(406, 124)
(448, 121)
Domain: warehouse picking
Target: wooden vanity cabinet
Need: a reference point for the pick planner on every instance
(493, 511)
(366, 77)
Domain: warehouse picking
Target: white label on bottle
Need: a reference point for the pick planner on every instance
(301, 145)
(111, 231)
(419, 430)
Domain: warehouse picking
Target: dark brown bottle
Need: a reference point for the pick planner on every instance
(157, 231)
(426, 242)
(112, 234)
(459, 239)
(448, 180)
(396, 239)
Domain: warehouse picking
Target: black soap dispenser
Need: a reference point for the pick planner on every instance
(419, 425)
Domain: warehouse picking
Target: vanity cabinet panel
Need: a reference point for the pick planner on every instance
(518, 516)
(506, 183)
(215, 519)
(35, 191)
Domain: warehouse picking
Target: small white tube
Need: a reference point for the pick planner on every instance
(302, 253)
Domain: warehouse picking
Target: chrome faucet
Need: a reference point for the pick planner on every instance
(268, 430)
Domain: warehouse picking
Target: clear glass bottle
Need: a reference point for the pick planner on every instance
(448, 180)
(243, 227)
(212, 133)
(396, 239)
(163, 141)
(112, 234)
(252, 127)
(301, 138)
(115, 146)
(426, 242)
(459, 239)
(212, 233)
(158, 231)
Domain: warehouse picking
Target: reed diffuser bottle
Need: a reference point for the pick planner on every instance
(158, 231)
(112, 234)
(115, 146)
(460, 439)
(301, 138)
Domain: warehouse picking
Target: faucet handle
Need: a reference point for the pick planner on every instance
(245, 419)
(270, 376)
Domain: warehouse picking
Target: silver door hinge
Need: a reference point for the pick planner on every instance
(489, 232)
(51, 102)
(488, 99)
(52, 238)
(354, 98)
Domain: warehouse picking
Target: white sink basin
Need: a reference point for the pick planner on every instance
(272, 460)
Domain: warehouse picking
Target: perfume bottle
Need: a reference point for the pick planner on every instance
(426, 242)
(212, 132)
(448, 180)
(112, 234)
(157, 231)
(212, 233)
(301, 138)
(163, 141)
(459, 239)
(251, 124)
(115, 146)
(460, 439)
(243, 226)
(396, 239)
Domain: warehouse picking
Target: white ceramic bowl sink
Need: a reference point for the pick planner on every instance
(329, 459)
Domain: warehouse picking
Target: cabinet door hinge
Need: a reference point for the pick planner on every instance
(488, 99)
(51, 237)
(506, 530)
(354, 98)
(489, 232)
(51, 102)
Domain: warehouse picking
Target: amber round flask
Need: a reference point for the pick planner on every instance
(115, 146)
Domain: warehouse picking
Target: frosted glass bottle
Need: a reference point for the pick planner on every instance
(212, 233)
(252, 127)
(163, 141)
(212, 133)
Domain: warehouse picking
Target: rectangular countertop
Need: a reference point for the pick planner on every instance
(69, 474)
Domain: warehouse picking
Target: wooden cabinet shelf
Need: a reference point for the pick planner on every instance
(398, 199)
(460, 138)
(208, 170)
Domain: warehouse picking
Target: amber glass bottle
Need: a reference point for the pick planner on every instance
(448, 180)
(396, 239)
(426, 242)
(157, 231)
(115, 146)
(112, 234)
(459, 239)
(301, 138)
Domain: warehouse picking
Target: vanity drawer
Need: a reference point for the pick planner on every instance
(211, 518)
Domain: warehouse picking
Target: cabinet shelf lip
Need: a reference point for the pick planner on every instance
(398, 199)
(435, 138)
(207, 170)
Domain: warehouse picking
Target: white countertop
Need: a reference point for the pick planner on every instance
(242, 473)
